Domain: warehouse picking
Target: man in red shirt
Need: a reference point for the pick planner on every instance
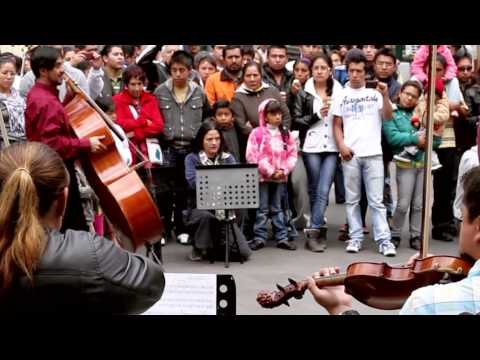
(46, 122)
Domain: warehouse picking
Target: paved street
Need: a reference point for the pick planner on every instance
(270, 265)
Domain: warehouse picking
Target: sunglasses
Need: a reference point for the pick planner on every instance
(465, 68)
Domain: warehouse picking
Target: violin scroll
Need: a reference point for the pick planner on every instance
(272, 299)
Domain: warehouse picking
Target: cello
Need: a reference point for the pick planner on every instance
(380, 285)
(123, 196)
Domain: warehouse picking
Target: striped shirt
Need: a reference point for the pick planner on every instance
(454, 94)
(448, 299)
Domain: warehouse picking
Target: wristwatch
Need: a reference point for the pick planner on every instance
(350, 312)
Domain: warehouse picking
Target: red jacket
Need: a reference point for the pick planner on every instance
(150, 110)
(46, 122)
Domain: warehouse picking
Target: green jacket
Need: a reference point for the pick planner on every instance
(400, 132)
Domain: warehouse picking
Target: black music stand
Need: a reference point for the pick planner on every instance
(227, 187)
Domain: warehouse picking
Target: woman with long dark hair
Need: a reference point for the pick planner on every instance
(318, 144)
(208, 149)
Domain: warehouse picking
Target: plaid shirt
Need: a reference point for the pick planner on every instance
(449, 299)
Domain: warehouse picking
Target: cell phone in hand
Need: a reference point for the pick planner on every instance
(371, 84)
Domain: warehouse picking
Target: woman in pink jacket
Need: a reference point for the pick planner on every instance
(419, 64)
(274, 149)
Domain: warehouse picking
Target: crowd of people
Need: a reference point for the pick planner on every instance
(334, 115)
(341, 115)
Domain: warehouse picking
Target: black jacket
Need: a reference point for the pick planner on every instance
(466, 128)
(287, 79)
(303, 115)
(105, 97)
(80, 272)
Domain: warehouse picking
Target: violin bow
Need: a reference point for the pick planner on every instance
(427, 173)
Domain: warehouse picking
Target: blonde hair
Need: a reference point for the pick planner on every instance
(32, 177)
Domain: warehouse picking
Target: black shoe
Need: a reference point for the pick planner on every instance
(451, 230)
(441, 235)
(316, 239)
(396, 241)
(415, 243)
(286, 245)
(195, 255)
(256, 244)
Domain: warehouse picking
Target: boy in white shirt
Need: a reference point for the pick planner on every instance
(358, 113)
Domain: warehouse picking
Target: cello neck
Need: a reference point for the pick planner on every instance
(78, 90)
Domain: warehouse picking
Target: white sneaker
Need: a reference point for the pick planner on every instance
(163, 241)
(183, 238)
(353, 246)
(387, 248)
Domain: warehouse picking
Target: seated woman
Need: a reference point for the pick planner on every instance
(43, 270)
(208, 149)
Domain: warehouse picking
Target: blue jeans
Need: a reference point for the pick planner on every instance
(410, 196)
(271, 194)
(321, 172)
(370, 168)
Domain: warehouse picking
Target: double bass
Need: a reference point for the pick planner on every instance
(380, 285)
(123, 196)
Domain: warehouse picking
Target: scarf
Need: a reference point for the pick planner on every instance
(16, 110)
(218, 160)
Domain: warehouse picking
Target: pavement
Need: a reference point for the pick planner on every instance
(270, 265)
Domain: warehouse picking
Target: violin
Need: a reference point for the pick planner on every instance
(378, 285)
(122, 195)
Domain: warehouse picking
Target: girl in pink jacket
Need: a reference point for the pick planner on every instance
(419, 64)
(274, 149)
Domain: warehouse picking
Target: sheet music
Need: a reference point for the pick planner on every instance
(187, 294)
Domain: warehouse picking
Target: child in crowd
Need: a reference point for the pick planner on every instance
(441, 114)
(274, 149)
(223, 116)
(419, 64)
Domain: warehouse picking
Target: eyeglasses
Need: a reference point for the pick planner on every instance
(465, 68)
(407, 94)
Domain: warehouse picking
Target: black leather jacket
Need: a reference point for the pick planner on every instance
(466, 127)
(302, 113)
(80, 272)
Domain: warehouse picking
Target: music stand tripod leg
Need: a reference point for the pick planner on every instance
(227, 246)
(230, 226)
